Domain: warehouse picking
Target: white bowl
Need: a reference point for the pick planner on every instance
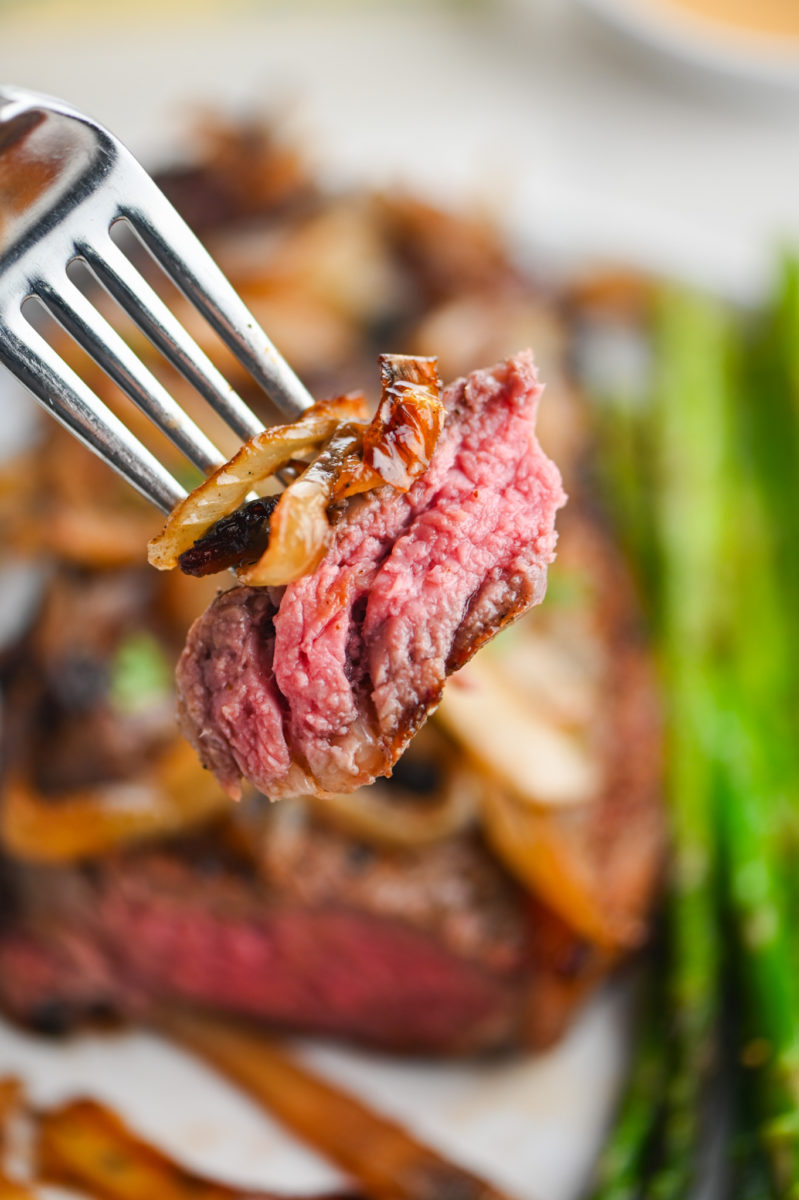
(705, 45)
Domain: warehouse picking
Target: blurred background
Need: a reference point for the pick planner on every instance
(657, 131)
(616, 148)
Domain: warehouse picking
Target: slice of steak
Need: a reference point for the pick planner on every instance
(432, 950)
(321, 688)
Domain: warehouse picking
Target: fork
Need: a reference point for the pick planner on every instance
(65, 183)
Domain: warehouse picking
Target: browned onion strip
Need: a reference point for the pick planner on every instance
(388, 1162)
(536, 847)
(374, 815)
(172, 794)
(12, 1102)
(400, 440)
(299, 529)
(394, 448)
(529, 754)
(12, 1105)
(227, 487)
(86, 1146)
(355, 477)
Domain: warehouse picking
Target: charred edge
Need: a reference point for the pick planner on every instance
(471, 637)
(397, 741)
(234, 541)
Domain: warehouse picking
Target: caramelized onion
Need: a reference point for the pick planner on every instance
(400, 439)
(399, 442)
(539, 849)
(531, 757)
(400, 812)
(172, 795)
(227, 487)
(12, 1104)
(379, 819)
(388, 1162)
(12, 1101)
(299, 530)
(85, 1147)
(394, 448)
(235, 540)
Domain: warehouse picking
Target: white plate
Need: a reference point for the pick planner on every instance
(533, 1126)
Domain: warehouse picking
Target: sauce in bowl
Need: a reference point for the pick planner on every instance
(774, 18)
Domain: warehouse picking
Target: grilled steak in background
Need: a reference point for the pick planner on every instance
(433, 950)
(321, 690)
(270, 911)
(92, 932)
(278, 912)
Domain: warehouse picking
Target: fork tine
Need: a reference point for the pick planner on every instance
(91, 330)
(189, 264)
(56, 386)
(129, 288)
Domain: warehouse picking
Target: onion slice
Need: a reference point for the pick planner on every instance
(394, 448)
(541, 765)
(399, 442)
(540, 849)
(227, 487)
(299, 531)
(171, 795)
(399, 812)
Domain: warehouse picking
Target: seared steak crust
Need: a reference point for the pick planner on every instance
(320, 689)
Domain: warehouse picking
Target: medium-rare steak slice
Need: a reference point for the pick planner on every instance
(321, 688)
(431, 950)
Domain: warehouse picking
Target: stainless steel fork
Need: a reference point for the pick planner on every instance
(65, 181)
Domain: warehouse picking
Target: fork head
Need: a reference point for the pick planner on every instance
(50, 158)
(65, 181)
